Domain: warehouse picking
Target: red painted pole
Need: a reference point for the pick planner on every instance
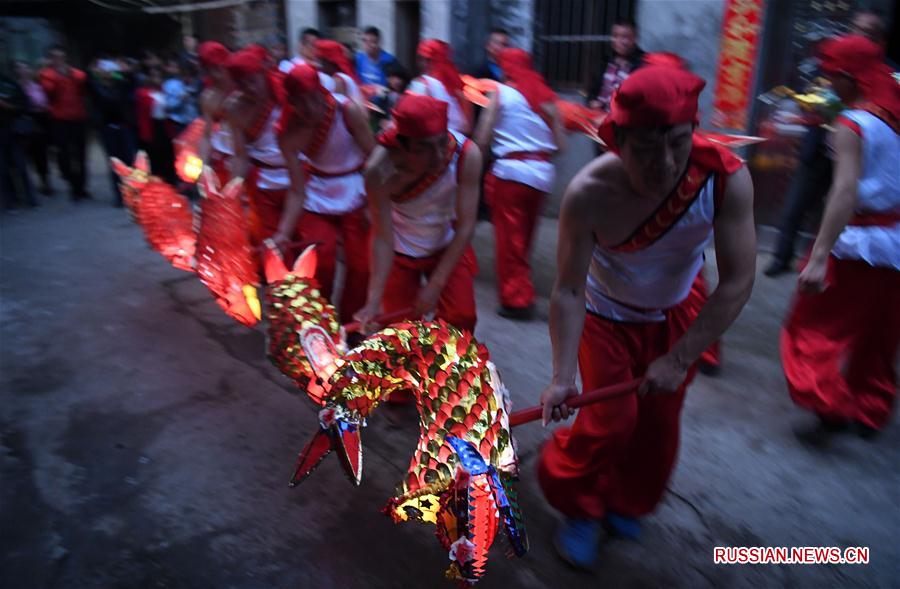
(611, 392)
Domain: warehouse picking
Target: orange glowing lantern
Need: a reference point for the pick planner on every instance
(165, 216)
(226, 263)
(188, 164)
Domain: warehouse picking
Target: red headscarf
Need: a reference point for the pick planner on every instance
(862, 60)
(416, 116)
(302, 79)
(245, 63)
(248, 62)
(660, 95)
(518, 71)
(441, 66)
(259, 51)
(332, 51)
(212, 54)
(665, 58)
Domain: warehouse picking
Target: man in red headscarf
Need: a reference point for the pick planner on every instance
(840, 339)
(522, 128)
(327, 192)
(252, 111)
(633, 227)
(333, 60)
(215, 148)
(440, 79)
(422, 184)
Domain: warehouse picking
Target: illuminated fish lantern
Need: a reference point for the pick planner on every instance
(165, 215)
(132, 180)
(463, 471)
(225, 261)
(188, 164)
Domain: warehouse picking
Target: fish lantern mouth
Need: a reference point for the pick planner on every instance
(339, 430)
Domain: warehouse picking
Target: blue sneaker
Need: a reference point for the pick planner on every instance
(623, 526)
(578, 541)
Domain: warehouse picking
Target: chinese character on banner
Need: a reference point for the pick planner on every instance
(737, 60)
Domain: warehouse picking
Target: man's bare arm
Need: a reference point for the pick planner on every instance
(296, 194)
(466, 217)
(358, 125)
(556, 125)
(735, 242)
(839, 206)
(567, 300)
(484, 133)
(382, 232)
(241, 162)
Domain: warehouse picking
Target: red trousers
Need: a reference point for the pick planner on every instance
(838, 347)
(352, 231)
(456, 304)
(697, 298)
(619, 453)
(514, 212)
(265, 212)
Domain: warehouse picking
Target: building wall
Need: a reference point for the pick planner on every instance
(690, 29)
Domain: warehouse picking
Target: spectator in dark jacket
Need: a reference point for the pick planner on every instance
(13, 167)
(113, 89)
(37, 139)
(626, 57)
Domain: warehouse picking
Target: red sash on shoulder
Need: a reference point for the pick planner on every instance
(880, 113)
(255, 129)
(669, 212)
(428, 180)
(323, 128)
(706, 158)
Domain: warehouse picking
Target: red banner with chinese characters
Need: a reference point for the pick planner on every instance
(737, 60)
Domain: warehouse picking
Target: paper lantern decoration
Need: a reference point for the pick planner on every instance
(132, 180)
(226, 263)
(462, 473)
(188, 164)
(165, 215)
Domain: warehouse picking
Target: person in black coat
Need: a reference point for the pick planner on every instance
(497, 40)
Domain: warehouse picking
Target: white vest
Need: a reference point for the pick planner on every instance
(423, 226)
(274, 176)
(656, 277)
(430, 86)
(878, 191)
(520, 129)
(341, 189)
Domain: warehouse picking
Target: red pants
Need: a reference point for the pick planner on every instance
(697, 298)
(327, 232)
(619, 453)
(265, 212)
(456, 304)
(514, 212)
(838, 347)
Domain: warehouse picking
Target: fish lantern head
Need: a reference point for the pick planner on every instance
(133, 178)
(339, 430)
(306, 341)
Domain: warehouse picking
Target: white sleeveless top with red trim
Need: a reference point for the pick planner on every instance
(423, 225)
(877, 193)
(638, 285)
(334, 179)
(430, 86)
(521, 130)
(273, 174)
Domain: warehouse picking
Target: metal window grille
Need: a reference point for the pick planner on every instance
(571, 38)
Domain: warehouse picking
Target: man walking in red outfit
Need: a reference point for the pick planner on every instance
(521, 127)
(633, 227)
